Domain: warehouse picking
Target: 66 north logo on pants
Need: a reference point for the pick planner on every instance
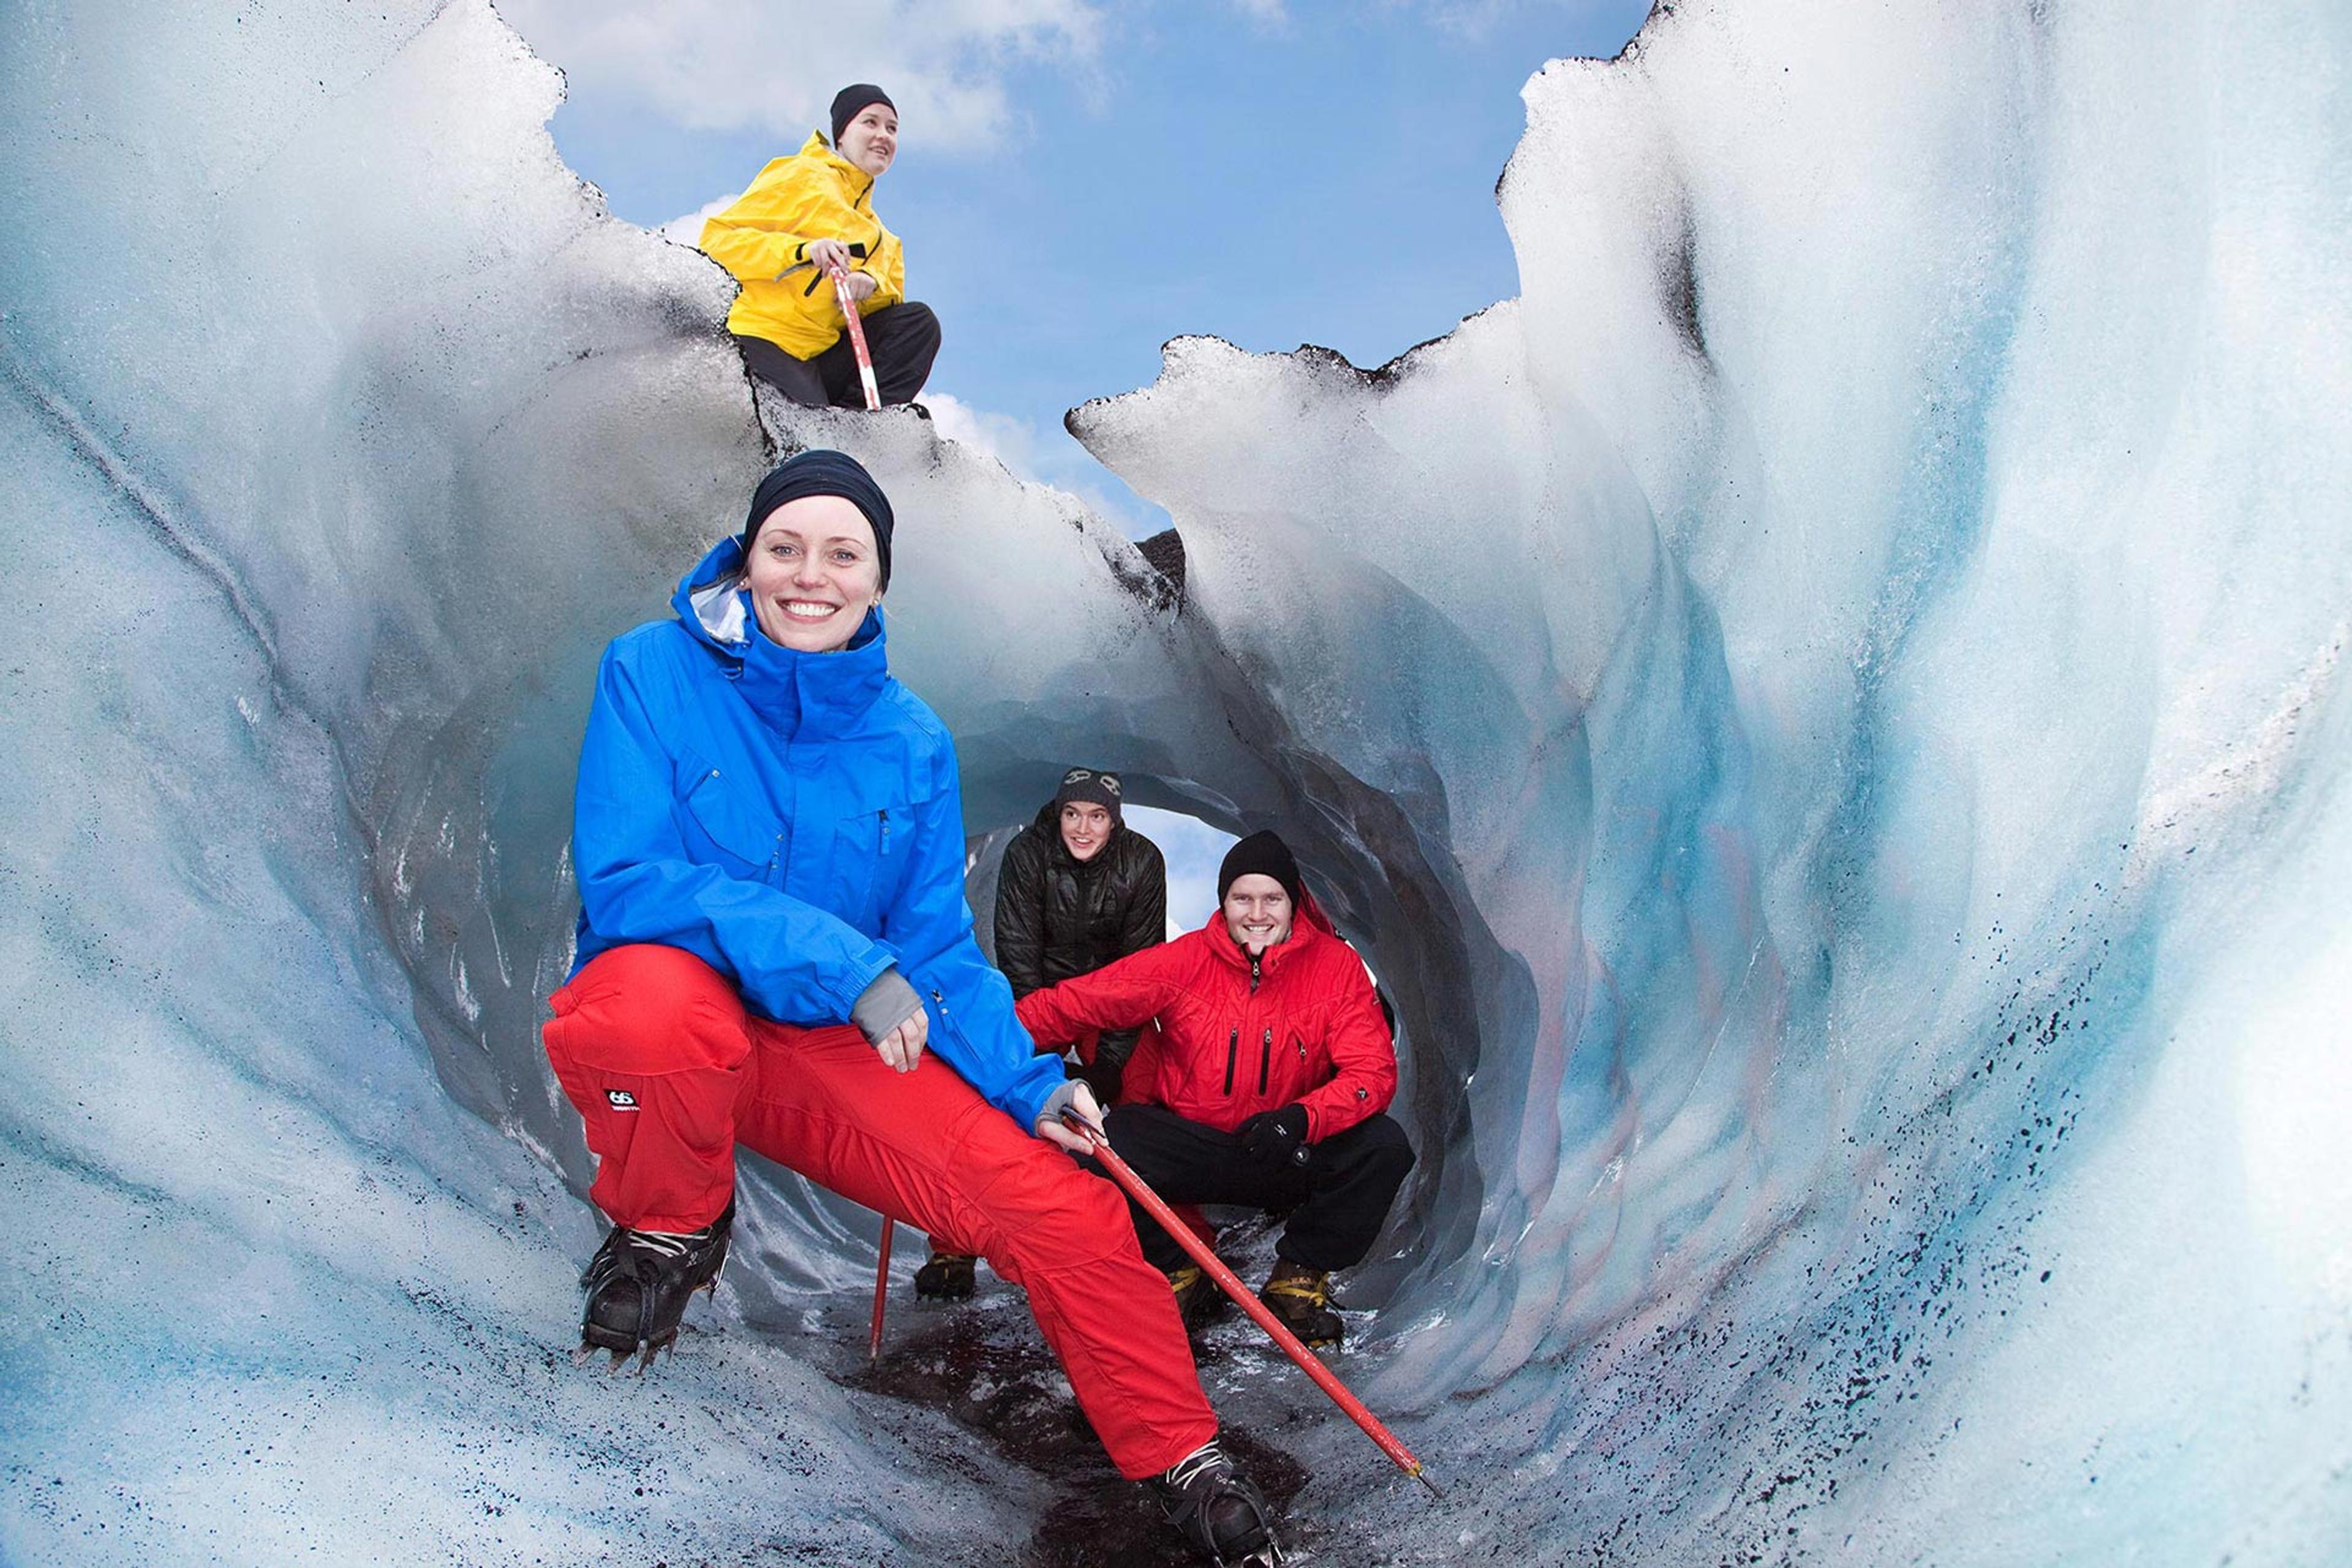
(620, 1100)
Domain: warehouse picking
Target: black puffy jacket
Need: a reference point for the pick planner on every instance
(1058, 917)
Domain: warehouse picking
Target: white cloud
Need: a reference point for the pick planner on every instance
(1037, 458)
(688, 230)
(1194, 851)
(1476, 20)
(1003, 436)
(730, 65)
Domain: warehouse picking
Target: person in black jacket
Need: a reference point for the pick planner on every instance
(1078, 889)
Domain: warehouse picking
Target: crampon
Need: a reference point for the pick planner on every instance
(1301, 1298)
(947, 1275)
(1217, 1510)
(639, 1284)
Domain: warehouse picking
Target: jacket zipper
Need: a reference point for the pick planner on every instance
(1264, 1057)
(885, 815)
(1233, 1045)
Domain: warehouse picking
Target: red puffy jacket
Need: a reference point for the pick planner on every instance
(1300, 1025)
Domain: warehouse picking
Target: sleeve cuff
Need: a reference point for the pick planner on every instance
(1057, 1101)
(884, 1004)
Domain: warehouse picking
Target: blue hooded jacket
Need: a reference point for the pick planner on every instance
(795, 821)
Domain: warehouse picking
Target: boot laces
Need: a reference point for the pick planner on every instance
(1313, 1288)
(1204, 1461)
(671, 1243)
(668, 1243)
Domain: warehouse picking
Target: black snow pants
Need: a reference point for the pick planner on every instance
(903, 340)
(1337, 1200)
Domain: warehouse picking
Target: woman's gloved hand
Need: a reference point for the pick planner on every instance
(1102, 1074)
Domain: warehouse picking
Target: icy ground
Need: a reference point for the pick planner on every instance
(1827, 709)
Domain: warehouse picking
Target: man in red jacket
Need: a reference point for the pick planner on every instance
(1275, 1074)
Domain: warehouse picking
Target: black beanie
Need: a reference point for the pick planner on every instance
(1261, 854)
(1090, 785)
(823, 472)
(850, 100)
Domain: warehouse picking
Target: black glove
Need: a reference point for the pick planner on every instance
(1101, 1075)
(1275, 1138)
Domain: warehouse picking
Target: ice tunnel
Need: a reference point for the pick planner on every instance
(1826, 711)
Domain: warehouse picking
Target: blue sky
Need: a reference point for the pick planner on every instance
(1077, 182)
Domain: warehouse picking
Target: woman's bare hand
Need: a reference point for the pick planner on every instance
(902, 1047)
(1083, 1106)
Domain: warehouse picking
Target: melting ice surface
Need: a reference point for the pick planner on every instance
(1827, 710)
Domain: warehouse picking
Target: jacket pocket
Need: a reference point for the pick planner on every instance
(872, 849)
(1296, 1063)
(723, 824)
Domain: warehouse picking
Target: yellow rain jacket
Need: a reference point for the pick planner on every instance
(763, 240)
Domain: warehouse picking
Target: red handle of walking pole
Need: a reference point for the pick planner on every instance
(881, 1290)
(857, 344)
(1248, 1302)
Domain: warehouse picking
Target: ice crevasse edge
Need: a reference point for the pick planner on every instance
(1827, 707)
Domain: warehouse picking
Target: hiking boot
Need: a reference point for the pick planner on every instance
(639, 1284)
(1197, 1297)
(1301, 1298)
(947, 1275)
(1220, 1514)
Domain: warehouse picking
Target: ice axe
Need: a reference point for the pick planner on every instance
(873, 402)
(1203, 1255)
(881, 1290)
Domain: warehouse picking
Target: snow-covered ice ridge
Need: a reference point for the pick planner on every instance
(1828, 709)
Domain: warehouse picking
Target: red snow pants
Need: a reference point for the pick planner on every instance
(670, 1073)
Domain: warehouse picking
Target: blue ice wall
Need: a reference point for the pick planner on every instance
(1826, 709)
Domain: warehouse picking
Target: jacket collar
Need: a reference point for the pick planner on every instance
(804, 695)
(859, 182)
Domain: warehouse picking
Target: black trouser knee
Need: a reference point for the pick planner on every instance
(1337, 1201)
(798, 379)
(902, 339)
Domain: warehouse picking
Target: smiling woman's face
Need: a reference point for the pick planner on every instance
(870, 140)
(813, 573)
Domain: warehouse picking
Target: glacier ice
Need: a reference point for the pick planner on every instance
(1825, 710)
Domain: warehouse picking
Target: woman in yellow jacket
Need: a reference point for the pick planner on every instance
(801, 216)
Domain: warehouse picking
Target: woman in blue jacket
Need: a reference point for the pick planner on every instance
(774, 951)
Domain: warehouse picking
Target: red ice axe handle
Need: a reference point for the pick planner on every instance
(1243, 1297)
(881, 1290)
(873, 397)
